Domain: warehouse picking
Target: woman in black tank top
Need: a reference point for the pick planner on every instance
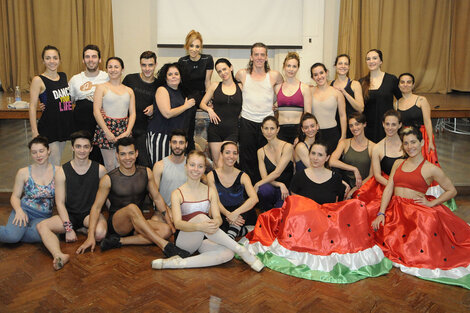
(226, 97)
(389, 149)
(351, 89)
(52, 90)
(275, 166)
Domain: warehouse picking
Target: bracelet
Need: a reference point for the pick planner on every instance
(68, 226)
(380, 213)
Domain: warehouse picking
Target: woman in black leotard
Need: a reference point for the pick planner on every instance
(379, 89)
(316, 181)
(227, 101)
(415, 111)
(238, 199)
(389, 149)
(350, 88)
(275, 167)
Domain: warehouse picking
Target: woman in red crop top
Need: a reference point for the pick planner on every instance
(418, 233)
(196, 215)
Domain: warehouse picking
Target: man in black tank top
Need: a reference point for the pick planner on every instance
(76, 184)
(126, 188)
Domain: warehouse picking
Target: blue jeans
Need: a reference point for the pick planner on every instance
(269, 197)
(12, 233)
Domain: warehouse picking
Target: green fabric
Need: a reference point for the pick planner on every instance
(462, 281)
(339, 275)
(451, 204)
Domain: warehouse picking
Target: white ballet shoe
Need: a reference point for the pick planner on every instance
(158, 264)
(257, 265)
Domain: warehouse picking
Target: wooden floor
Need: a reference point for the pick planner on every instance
(122, 280)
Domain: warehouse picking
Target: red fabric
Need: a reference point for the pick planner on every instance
(412, 180)
(371, 190)
(303, 225)
(419, 236)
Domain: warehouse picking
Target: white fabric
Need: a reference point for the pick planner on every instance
(217, 249)
(116, 106)
(258, 99)
(241, 22)
(454, 273)
(325, 263)
(83, 87)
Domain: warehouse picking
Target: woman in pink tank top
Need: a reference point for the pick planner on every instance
(293, 99)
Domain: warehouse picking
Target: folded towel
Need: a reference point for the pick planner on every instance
(19, 105)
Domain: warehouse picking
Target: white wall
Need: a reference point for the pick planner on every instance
(135, 24)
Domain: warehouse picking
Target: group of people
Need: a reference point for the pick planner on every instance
(342, 193)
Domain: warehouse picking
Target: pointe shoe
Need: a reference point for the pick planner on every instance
(257, 265)
(157, 264)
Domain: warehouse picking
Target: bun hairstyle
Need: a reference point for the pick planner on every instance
(392, 112)
(410, 130)
(365, 82)
(291, 56)
(341, 56)
(39, 140)
(226, 61)
(190, 37)
(196, 153)
(117, 59)
(317, 65)
(407, 74)
(49, 47)
(306, 116)
(321, 142)
(270, 118)
(222, 148)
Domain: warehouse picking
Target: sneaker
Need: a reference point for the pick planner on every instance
(172, 250)
(111, 242)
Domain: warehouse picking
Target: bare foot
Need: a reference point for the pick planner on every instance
(60, 261)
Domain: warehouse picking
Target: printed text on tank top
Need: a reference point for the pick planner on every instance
(413, 180)
(190, 209)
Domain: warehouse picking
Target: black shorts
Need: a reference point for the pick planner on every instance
(222, 132)
(111, 230)
(77, 219)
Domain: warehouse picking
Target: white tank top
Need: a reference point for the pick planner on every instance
(325, 112)
(258, 99)
(116, 106)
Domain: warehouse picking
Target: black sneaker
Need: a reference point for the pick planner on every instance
(111, 242)
(172, 250)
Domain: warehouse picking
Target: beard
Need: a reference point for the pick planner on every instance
(177, 154)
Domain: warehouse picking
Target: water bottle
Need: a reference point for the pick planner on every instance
(17, 93)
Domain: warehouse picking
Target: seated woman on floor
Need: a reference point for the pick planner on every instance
(196, 215)
(236, 193)
(418, 233)
(36, 183)
(312, 236)
(353, 155)
(275, 166)
(384, 155)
